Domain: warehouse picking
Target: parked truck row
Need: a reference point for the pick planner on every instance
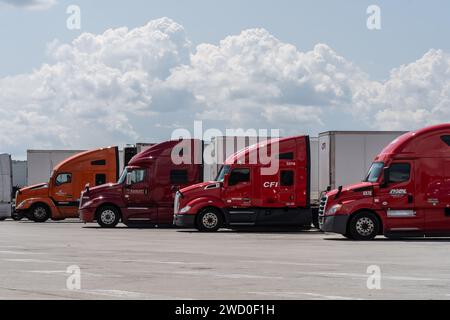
(307, 186)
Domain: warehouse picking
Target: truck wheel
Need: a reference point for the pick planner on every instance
(209, 220)
(363, 226)
(2, 218)
(108, 217)
(315, 218)
(40, 213)
(16, 216)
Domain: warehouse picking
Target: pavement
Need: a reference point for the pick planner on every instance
(71, 260)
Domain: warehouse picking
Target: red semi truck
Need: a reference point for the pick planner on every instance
(144, 193)
(243, 195)
(406, 192)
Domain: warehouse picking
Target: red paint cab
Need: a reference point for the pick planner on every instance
(59, 198)
(144, 193)
(405, 194)
(251, 191)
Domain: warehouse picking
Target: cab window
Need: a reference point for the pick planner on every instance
(286, 156)
(399, 172)
(238, 176)
(287, 178)
(179, 176)
(137, 176)
(100, 178)
(446, 139)
(63, 178)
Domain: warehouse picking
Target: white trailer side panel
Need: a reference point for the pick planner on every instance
(324, 161)
(346, 156)
(5, 185)
(19, 172)
(349, 159)
(220, 149)
(42, 162)
(314, 146)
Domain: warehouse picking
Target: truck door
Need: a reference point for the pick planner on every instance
(397, 198)
(136, 193)
(286, 193)
(435, 195)
(237, 196)
(62, 194)
(239, 188)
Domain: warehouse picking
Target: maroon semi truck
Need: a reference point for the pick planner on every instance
(247, 193)
(144, 193)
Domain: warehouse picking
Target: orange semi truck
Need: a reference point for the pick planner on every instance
(59, 197)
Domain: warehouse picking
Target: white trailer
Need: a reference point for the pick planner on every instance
(314, 147)
(5, 186)
(19, 173)
(220, 148)
(346, 156)
(41, 163)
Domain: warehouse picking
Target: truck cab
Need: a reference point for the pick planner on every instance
(144, 193)
(251, 191)
(405, 193)
(59, 198)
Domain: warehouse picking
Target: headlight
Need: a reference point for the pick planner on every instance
(185, 209)
(334, 209)
(21, 204)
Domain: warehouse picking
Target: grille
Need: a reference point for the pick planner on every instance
(176, 203)
(322, 209)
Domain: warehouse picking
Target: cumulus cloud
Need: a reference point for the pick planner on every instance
(30, 4)
(129, 85)
(415, 95)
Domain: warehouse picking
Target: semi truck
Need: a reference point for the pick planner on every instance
(144, 193)
(58, 198)
(406, 192)
(251, 191)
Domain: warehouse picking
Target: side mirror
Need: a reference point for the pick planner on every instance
(386, 177)
(226, 179)
(128, 179)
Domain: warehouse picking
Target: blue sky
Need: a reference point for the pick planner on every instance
(409, 27)
(297, 66)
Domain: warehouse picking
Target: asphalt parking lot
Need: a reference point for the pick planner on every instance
(127, 263)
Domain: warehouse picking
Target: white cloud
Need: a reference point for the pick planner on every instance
(128, 85)
(415, 95)
(30, 4)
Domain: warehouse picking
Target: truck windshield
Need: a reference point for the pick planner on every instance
(374, 172)
(223, 171)
(123, 176)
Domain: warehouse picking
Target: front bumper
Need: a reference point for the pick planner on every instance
(184, 220)
(335, 224)
(87, 214)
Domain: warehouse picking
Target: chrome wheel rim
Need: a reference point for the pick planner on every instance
(210, 220)
(108, 216)
(40, 212)
(365, 226)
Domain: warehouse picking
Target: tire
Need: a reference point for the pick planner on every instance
(348, 236)
(315, 218)
(108, 216)
(363, 226)
(16, 216)
(209, 220)
(40, 213)
(3, 218)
